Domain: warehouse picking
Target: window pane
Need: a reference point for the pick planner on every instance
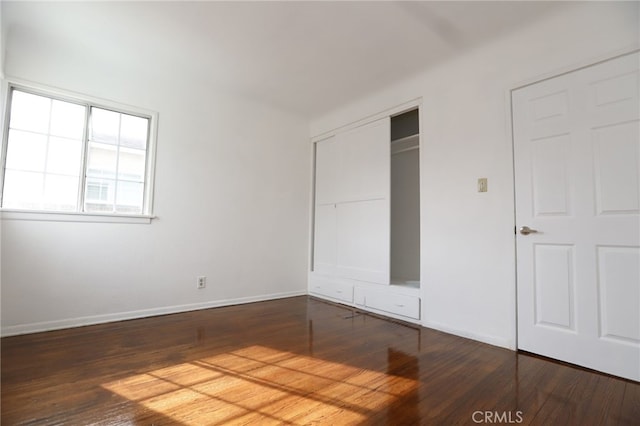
(129, 197)
(60, 192)
(26, 151)
(105, 126)
(64, 156)
(22, 190)
(131, 164)
(52, 145)
(102, 160)
(67, 120)
(99, 195)
(97, 190)
(133, 131)
(30, 112)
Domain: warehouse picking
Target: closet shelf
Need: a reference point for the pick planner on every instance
(405, 144)
(406, 139)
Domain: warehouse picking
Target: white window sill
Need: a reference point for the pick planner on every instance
(6, 214)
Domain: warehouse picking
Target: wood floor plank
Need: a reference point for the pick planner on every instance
(630, 409)
(293, 361)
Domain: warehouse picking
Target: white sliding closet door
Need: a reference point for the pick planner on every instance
(364, 162)
(327, 161)
(352, 204)
(324, 249)
(363, 240)
(325, 241)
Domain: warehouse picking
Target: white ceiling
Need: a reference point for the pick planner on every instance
(307, 57)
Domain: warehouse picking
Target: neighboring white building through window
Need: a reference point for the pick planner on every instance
(71, 155)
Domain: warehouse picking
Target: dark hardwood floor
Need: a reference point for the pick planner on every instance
(293, 361)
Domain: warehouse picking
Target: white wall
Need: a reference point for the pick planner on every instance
(231, 196)
(468, 253)
(2, 97)
(2, 39)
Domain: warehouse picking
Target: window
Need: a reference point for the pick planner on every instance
(70, 155)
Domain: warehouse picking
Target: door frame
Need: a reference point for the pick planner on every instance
(395, 110)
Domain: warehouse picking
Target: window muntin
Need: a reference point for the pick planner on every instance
(66, 156)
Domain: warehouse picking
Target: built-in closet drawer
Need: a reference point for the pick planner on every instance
(387, 301)
(326, 287)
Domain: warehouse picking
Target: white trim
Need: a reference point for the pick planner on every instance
(14, 330)
(398, 109)
(76, 97)
(513, 290)
(484, 338)
(150, 175)
(311, 232)
(4, 124)
(576, 66)
(37, 215)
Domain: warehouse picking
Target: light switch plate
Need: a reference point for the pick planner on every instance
(482, 185)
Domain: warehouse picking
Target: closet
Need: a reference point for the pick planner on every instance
(405, 199)
(366, 248)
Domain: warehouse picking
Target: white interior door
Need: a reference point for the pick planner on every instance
(577, 155)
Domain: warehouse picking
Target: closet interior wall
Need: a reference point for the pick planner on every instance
(405, 199)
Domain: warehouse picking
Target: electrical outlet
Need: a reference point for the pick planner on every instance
(202, 282)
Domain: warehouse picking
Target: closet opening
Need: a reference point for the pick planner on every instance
(405, 199)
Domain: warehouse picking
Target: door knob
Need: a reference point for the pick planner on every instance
(525, 230)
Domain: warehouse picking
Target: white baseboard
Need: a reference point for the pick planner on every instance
(14, 330)
(484, 338)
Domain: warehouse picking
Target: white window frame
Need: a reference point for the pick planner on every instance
(88, 101)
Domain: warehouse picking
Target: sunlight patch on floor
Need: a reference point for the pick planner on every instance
(261, 383)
